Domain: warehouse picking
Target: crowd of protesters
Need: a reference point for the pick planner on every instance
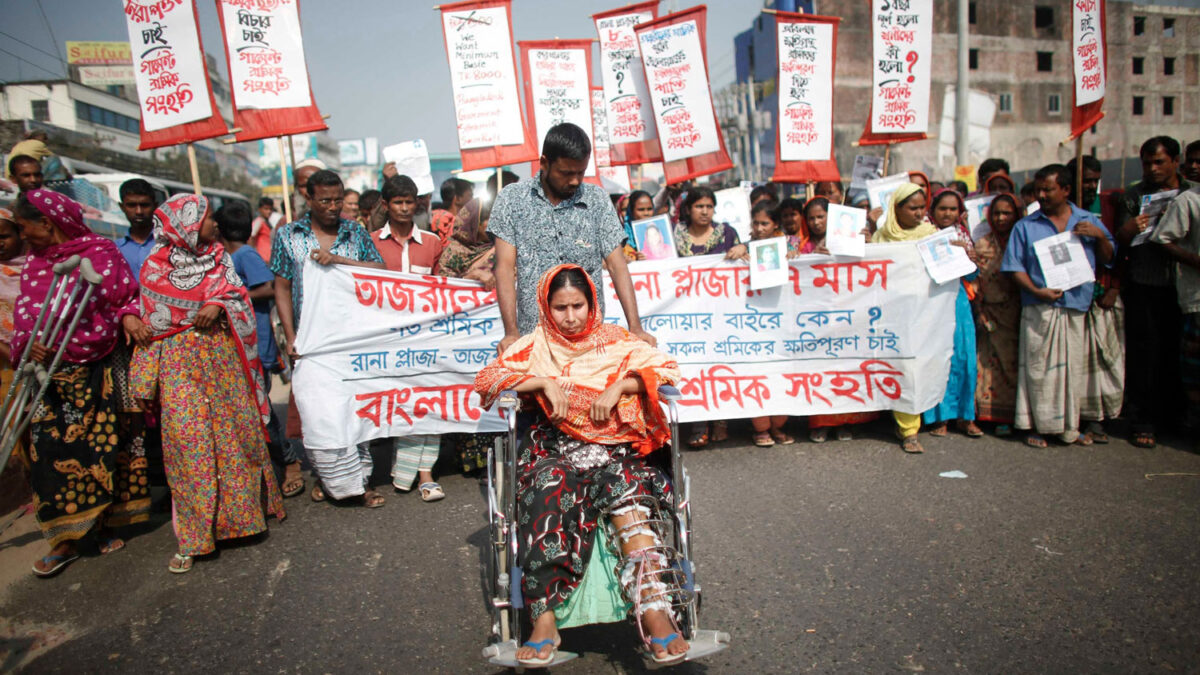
(172, 366)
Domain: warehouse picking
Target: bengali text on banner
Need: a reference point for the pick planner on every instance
(390, 354)
(630, 116)
(807, 47)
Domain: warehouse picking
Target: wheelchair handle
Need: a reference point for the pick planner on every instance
(668, 393)
(508, 400)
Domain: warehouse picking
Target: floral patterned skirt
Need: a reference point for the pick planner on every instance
(561, 501)
(87, 460)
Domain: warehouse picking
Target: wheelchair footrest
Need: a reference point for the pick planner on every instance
(504, 654)
(707, 643)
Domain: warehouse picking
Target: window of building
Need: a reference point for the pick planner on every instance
(1169, 28)
(971, 13)
(1169, 65)
(1005, 103)
(1045, 62)
(1139, 25)
(973, 59)
(97, 115)
(1043, 17)
(1139, 105)
(41, 110)
(1168, 106)
(1139, 65)
(1054, 104)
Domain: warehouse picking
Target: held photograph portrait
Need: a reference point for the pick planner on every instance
(652, 237)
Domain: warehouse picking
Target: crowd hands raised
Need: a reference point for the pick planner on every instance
(1041, 360)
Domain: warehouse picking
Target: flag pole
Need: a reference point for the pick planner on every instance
(191, 154)
(283, 181)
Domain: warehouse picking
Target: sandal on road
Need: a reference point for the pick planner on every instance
(372, 499)
(971, 429)
(818, 435)
(180, 564)
(57, 564)
(292, 486)
(781, 438)
(1035, 441)
(911, 445)
(111, 545)
(539, 661)
(698, 439)
(939, 430)
(844, 434)
(432, 492)
(318, 494)
(1144, 439)
(763, 439)
(720, 431)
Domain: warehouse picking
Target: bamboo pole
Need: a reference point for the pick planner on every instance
(1079, 173)
(887, 158)
(191, 153)
(283, 180)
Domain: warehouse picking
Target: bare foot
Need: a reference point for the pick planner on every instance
(543, 629)
(659, 625)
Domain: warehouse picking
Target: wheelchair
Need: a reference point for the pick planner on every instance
(677, 588)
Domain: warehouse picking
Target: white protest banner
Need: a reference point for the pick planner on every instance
(558, 86)
(902, 33)
(675, 73)
(880, 190)
(266, 54)
(1088, 47)
(390, 354)
(483, 77)
(412, 160)
(627, 98)
(170, 73)
(806, 53)
(733, 209)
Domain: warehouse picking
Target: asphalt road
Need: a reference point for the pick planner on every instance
(845, 557)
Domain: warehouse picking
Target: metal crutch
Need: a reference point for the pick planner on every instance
(19, 391)
(88, 276)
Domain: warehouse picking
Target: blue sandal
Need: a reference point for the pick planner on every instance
(60, 565)
(667, 658)
(539, 646)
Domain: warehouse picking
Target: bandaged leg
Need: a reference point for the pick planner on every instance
(650, 576)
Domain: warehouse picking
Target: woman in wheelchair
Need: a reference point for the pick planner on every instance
(596, 387)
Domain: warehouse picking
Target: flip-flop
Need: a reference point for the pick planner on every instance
(539, 646)
(63, 561)
(1036, 441)
(318, 494)
(911, 445)
(297, 482)
(112, 545)
(184, 566)
(845, 435)
(818, 435)
(781, 438)
(372, 499)
(669, 658)
(763, 440)
(432, 492)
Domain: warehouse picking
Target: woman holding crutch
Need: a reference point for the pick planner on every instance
(87, 461)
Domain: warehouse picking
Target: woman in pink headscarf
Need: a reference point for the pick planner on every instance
(203, 368)
(87, 462)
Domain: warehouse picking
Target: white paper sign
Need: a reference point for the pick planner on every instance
(601, 148)
(843, 231)
(1153, 206)
(630, 116)
(1088, 51)
(559, 82)
(483, 77)
(733, 209)
(168, 63)
(412, 160)
(943, 259)
(977, 221)
(880, 190)
(805, 91)
(675, 72)
(266, 55)
(389, 354)
(866, 167)
(903, 48)
(1064, 262)
(768, 263)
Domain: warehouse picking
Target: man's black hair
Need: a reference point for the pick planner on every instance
(233, 221)
(24, 209)
(992, 165)
(1168, 144)
(399, 186)
(20, 159)
(322, 178)
(1062, 175)
(767, 191)
(508, 178)
(368, 199)
(452, 188)
(568, 141)
(1090, 163)
(1028, 189)
(266, 201)
(791, 203)
(136, 186)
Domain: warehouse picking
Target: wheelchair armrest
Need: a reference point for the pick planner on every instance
(508, 401)
(668, 393)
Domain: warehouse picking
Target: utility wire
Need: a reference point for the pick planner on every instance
(56, 57)
(53, 40)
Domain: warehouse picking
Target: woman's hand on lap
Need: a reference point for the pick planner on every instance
(603, 406)
(557, 399)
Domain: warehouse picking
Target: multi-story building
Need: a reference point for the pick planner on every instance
(1020, 59)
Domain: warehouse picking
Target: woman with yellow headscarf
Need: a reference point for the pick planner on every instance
(905, 220)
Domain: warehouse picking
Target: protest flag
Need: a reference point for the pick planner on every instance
(630, 115)
(1089, 52)
(902, 48)
(807, 47)
(558, 88)
(492, 131)
(675, 62)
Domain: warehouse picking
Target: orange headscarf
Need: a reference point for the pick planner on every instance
(584, 365)
(927, 187)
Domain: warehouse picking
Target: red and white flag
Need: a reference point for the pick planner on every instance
(177, 104)
(1089, 52)
(807, 48)
(268, 76)
(483, 74)
(632, 134)
(902, 48)
(558, 88)
(675, 62)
